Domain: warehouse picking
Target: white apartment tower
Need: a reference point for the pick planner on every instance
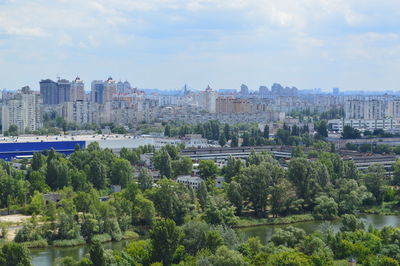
(110, 88)
(209, 100)
(80, 112)
(24, 111)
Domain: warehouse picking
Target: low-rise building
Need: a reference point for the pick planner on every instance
(190, 181)
(365, 124)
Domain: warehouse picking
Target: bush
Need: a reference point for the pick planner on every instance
(42, 243)
(130, 235)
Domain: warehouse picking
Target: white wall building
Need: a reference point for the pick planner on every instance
(77, 90)
(24, 111)
(365, 124)
(79, 112)
(190, 181)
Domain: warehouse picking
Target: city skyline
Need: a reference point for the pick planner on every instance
(165, 44)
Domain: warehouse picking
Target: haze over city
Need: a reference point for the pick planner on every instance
(351, 45)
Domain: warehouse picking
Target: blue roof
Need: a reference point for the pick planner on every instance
(9, 151)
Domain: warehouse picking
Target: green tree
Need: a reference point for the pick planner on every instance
(202, 195)
(37, 182)
(14, 254)
(326, 208)
(172, 200)
(182, 166)
(292, 258)
(222, 140)
(235, 140)
(266, 131)
(246, 139)
(350, 133)
(37, 203)
(322, 128)
(282, 194)
(289, 236)
(351, 223)
(121, 172)
(219, 211)
(375, 180)
(208, 170)
(38, 161)
(57, 174)
(90, 227)
(227, 257)
(396, 173)
(145, 179)
(162, 162)
(13, 130)
(165, 237)
(234, 194)
(257, 158)
(140, 251)
(143, 211)
(167, 131)
(97, 172)
(297, 151)
(231, 169)
(303, 176)
(96, 253)
(227, 132)
(254, 180)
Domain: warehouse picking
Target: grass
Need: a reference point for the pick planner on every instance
(69, 242)
(387, 208)
(42, 243)
(340, 263)
(252, 221)
(101, 238)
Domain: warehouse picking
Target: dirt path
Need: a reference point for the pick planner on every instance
(14, 223)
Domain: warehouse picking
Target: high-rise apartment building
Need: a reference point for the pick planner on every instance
(210, 100)
(110, 88)
(49, 91)
(366, 108)
(64, 90)
(263, 90)
(97, 91)
(77, 90)
(24, 111)
(79, 112)
(244, 90)
(123, 87)
(55, 92)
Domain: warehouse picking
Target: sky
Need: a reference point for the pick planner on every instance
(349, 44)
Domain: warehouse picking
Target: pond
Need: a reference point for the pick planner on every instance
(265, 232)
(47, 256)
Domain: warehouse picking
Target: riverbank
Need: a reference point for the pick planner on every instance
(387, 208)
(246, 222)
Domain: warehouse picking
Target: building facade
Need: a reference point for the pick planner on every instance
(23, 111)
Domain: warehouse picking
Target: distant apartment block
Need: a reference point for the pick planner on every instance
(24, 111)
(365, 124)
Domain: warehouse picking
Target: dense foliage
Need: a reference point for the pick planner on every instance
(194, 227)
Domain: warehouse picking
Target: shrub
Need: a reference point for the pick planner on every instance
(69, 242)
(101, 238)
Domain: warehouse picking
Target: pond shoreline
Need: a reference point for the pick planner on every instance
(307, 218)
